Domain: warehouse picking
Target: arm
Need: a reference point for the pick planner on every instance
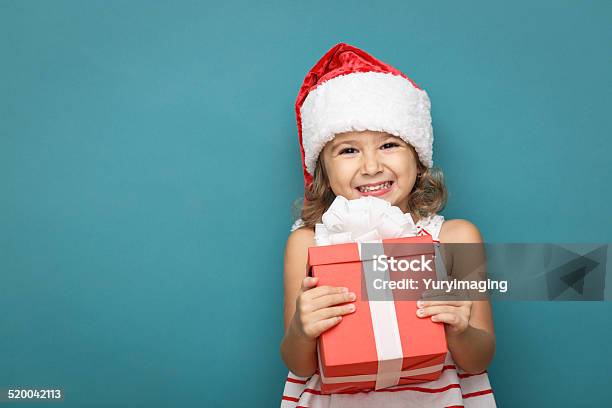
(298, 353)
(308, 310)
(473, 349)
(468, 324)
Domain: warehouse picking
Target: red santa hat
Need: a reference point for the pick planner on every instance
(349, 90)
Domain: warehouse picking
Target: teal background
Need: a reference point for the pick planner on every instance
(149, 160)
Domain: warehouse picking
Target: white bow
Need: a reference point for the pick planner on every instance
(364, 219)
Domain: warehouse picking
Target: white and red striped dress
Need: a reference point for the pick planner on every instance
(454, 388)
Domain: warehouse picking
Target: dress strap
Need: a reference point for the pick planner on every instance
(431, 225)
(297, 224)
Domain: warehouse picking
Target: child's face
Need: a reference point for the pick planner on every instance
(384, 163)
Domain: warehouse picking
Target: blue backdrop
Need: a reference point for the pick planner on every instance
(149, 159)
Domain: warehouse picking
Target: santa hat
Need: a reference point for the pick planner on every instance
(349, 90)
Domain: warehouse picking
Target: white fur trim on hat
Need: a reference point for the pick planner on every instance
(366, 101)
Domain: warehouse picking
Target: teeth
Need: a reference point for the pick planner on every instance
(367, 189)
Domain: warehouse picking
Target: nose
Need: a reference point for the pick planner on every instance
(371, 163)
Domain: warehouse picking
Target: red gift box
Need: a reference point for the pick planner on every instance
(381, 344)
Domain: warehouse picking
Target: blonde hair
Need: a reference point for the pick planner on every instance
(428, 196)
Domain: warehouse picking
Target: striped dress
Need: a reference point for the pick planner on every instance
(454, 388)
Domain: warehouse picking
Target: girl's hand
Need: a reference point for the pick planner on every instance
(455, 313)
(315, 310)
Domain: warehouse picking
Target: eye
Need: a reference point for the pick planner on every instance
(348, 150)
(390, 145)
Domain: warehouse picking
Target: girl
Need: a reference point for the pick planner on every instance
(365, 129)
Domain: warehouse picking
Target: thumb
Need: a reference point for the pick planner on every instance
(309, 282)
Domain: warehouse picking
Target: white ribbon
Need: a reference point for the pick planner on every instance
(364, 219)
(384, 321)
(370, 220)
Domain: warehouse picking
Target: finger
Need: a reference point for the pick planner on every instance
(455, 293)
(432, 293)
(426, 303)
(328, 312)
(326, 290)
(439, 294)
(434, 310)
(324, 325)
(332, 299)
(309, 282)
(448, 318)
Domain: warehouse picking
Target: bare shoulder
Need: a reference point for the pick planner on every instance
(459, 231)
(296, 252)
(296, 259)
(300, 239)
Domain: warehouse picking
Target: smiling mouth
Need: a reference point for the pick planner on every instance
(371, 188)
